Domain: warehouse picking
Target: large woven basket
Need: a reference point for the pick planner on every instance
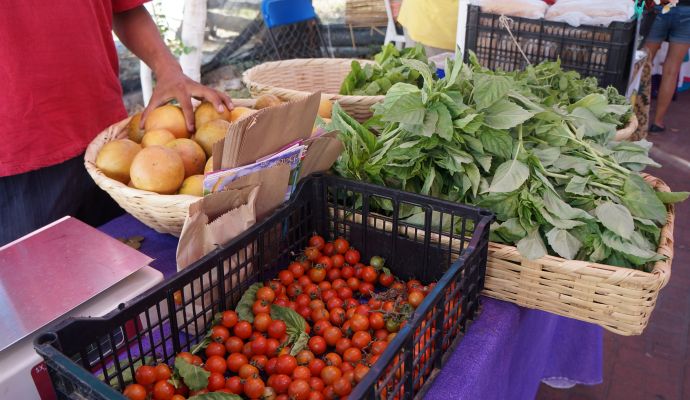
(619, 299)
(297, 78)
(164, 213)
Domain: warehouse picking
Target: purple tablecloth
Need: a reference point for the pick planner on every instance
(505, 354)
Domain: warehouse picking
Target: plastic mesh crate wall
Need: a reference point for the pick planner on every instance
(446, 243)
(601, 52)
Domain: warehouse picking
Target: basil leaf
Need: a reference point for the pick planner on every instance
(403, 103)
(563, 243)
(244, 306)
(672, 197)
(532, 246)
(296, 327)
(561, 209)
(577, 185)
(616, 217)
(509, 176)
(488, 89)
(196, 378)
(628, 248)
(498, 143)
(505, 115)
(642, 200)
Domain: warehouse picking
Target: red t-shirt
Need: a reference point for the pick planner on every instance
(59, 83)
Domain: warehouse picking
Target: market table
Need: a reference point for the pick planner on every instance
(507, 351)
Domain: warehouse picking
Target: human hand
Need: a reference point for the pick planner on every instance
(171, 84)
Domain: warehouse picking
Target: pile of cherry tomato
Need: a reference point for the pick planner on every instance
(352, 312)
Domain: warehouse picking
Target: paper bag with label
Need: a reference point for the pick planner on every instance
(273, 183)
(213, 221)
(322, 152)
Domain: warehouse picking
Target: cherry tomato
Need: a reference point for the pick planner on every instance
(324, 285)
(325, 262)
(335, 302)
(316, 383)
(305, 312)
(286, 364)
(376, 321)
(196, 360)
(366, 289)
(286, 277)
(328, 249)
(259, 346)
(342, 344)
(388, 306)
(280, 383)
(330, 374)
(301, 372)
(333, 274)
(374, 303)
(304, 357)
(414, 284)
(317, 241)
(352, 256)
(261, 306)
(397, 285)
(369, 275)
(229, 319)
(304, 280)
(299, 389)
(243, 330)
(282, 301)
(312, 253)
(216, 381)
(386, 280)
(247, 348)
(186, 356)
(269, 394)
(294, 289)
(233, 345)
(312, 290)
(362, 309)
(216, 363)
(316, 396)
(302, 300)
(317, 274)
(220, 333)
(333, 359)
(392, 325)
(415, 298)
(337, 316)
(135, 391)
(259, 361)
(316, 304)
(317, 345)
(361, 339)
(272, 346)
(261, 322)
(319, 314)
(235, 361)
(378, 347)
(341, 245)
(332, 335)
(350, 303)
(145, 375)
(372, 359)
(338, 260)
(163, 390)
(316, 366)
(266, 293)
(320, 327)
(352, 355)
(254, 388)
(353, 284)
(234, 383)
(377, 262)
(360, 372)
(297, 269)
(213, 349)
(178, 397)
(271, 367)
(359, 322)
(248, 371)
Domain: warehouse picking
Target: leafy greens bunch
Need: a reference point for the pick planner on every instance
(377, 79)
(510, 142)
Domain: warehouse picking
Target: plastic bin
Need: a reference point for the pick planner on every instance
(602, 52)
(79, 350)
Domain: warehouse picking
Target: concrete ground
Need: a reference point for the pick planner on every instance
(655, 365)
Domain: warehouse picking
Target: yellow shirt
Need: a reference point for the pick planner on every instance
(430, 22)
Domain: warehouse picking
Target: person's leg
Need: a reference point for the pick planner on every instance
(669, 79)
(652, 49)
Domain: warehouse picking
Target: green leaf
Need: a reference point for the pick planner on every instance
(244, 306)
(216, 396)
(577, 185)
(505, 115)
(547, 156)
(509, 176)
(642, 200)
(561, 209)
(497, 142)
(444, 127)
(403, 103)
(428, 181)
(473, 174)
(488, 89)
(629, 248)
(532, 246)
(296, 327)
(616, 217)
(579, 165)
(420, 67)
(511, 231)
(504, 205)
(594, 102)
(672, 197)
(589, 125)
(563, 243)
(196, 378)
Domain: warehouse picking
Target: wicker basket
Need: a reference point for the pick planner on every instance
(619, 299)
(164, 213)
(627, 131)
(297, 78)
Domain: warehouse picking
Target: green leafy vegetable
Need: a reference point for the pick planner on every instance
(196, 378)
(296, 327)
(244, 306)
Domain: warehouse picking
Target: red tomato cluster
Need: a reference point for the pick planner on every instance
(352, 312)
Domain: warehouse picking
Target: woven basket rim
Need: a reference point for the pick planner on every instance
(249, 77)
(627, 131)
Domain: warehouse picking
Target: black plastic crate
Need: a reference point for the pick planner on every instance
(602, 52)
(448, 243)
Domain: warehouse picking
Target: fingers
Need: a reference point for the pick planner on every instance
(187, 109)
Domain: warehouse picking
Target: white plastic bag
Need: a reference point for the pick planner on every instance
(534, 9)
(590, 12)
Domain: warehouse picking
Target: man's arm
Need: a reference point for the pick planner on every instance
(139, 33)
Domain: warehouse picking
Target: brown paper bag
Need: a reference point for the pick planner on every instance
(273, 186)
(321, 154)
(212, 221)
